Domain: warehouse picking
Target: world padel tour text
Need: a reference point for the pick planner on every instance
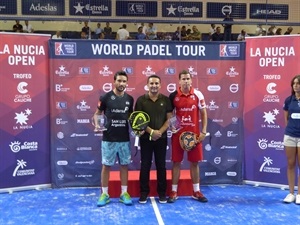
(148, 50)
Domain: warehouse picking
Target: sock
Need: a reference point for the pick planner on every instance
(174, 187)
(123, 189)
(196, 187)
(105, 190)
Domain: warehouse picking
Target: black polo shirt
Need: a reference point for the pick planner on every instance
(156, 110)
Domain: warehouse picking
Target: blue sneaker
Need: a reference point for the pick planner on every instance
(125, 198)
(103, 200)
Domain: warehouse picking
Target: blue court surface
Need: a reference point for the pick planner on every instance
(227, 204)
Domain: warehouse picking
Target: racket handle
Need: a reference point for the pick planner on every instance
(136, 141)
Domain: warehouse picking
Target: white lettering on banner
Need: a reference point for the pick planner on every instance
(190, 50)
(111, 49)
(23, 54)
(148, 50)
(272, 56)
(161, 50)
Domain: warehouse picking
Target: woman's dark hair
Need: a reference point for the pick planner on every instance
(292, 83)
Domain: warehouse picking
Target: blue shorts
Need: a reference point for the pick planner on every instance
(111, 150)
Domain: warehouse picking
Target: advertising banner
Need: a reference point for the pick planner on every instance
(8, 7)
(90, 8)
(43, 7)
(182, 9)
(81, 71)
(220, 9)
(269, 11)
(271, 64)
(24, 110)
(136, 8)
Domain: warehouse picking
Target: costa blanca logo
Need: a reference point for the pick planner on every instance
(270, 118)
(21, 119)
(232, 72)
(83, 106)
(212, 105)
(20, 171)
(192, 71)
(16, 146)
(105, 72)
(266, 166)
(148, 71)
(62, 72)
(264, 144)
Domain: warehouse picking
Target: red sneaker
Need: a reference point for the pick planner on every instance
(173, 197)
(199, 197)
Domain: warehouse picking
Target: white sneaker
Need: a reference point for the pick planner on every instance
(298, 199)
(291, 198)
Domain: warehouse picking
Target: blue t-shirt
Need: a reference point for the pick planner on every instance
(292, 106)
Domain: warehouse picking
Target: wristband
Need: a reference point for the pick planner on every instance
(203, 133)
(150, 136)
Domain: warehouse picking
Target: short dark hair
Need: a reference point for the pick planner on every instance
(153, 76)
(183, 72)
(120, 73)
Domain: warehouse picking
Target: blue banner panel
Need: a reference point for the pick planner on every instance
(8, 7)
(43, 7)
(182, 9)
(90, 8)
(269, 11)
(136, 9)
(219, 10)
(142, 50)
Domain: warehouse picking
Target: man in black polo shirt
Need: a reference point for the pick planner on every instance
(154, 140)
